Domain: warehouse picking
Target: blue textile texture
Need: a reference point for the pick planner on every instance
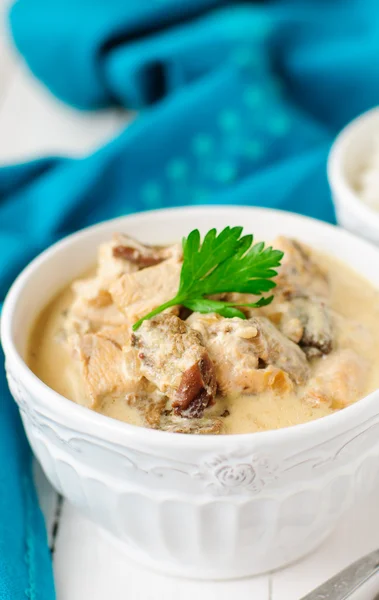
(238, 102)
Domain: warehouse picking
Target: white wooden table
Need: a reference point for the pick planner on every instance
(33, 123)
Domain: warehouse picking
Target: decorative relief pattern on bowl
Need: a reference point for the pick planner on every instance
(21, 396)
(299, 521)
(241, 472)
(225, 475)
(37, 421)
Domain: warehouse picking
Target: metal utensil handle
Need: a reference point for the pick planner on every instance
(342, 585)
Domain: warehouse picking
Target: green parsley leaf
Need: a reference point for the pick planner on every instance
(220, 264)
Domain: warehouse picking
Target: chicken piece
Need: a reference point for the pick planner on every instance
(120, 336)
(298, 276)
(109, 366)
(142, 255)
(124, 254)
(202, 426)
(173, 357)
(308, 322)
(250, 356)
(299, 273)
(338, 381)
(85, 317)
(93, 307)
(109, 268)
(136, 294)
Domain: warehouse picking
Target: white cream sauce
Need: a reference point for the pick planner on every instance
(351, 296)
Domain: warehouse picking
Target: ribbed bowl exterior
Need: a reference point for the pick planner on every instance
(211, 507)
(216, 516)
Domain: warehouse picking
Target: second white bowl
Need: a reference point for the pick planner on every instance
(349, 156)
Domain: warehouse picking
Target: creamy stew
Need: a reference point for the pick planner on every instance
(311, 352)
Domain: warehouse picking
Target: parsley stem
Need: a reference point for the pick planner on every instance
(156, 311)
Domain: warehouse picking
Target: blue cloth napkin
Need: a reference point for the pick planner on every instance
(239, 103)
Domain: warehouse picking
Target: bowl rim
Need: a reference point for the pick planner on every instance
(336, 172)
(98, 425)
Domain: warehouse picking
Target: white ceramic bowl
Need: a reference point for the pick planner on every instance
(199, 506)
(349, 155)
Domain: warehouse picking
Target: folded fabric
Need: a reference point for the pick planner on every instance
(239, 104)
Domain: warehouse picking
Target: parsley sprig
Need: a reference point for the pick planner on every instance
(220, 264)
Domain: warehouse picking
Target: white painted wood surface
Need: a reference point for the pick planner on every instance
(33, 123)
(88, 565)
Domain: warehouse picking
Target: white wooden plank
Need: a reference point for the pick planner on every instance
(86, 563)
(357, 535)
(8, 60)
(89, 566)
